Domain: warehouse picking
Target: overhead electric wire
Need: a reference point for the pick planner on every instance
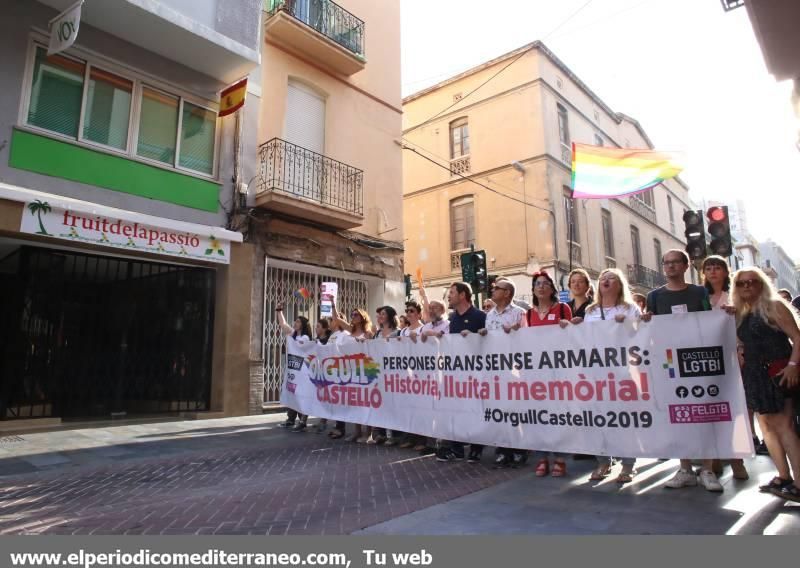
(509, 64)
(447, 160)
(500, 193)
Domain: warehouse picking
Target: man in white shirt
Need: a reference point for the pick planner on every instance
(505, 315)
(437, 324)
(508, 317)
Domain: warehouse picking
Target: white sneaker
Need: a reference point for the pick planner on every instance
(684, 478)
(708, 479)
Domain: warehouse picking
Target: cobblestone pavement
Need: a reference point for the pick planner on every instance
(264, 482)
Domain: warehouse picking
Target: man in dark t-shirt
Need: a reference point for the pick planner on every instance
(464, 319)
(678, 297)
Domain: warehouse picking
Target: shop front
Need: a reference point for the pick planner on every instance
(107, 313)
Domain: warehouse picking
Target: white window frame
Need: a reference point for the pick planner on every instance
(140, 80)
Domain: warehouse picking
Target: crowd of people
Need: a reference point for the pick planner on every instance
(768, 348)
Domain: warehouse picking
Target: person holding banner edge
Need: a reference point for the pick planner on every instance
(717, 280)
(300, 330)
(765, 326)
(678, 297)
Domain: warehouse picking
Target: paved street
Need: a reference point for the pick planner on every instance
(246, 476)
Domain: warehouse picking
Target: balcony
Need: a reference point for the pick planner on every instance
(460, 166)
(301, 183)
(455, 260)
(642, 208)
(319, 29)
(181, 31)
(642, 276)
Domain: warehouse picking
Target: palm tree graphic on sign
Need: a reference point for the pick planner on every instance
(37, 208)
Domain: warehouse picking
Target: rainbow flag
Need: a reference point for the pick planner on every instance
(599, 172)
(302, 294)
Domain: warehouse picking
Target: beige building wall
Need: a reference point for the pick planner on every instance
(514, 118)
(301, 242)
(362, 111)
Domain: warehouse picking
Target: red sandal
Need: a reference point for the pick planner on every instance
(542, 468)
(559, 469)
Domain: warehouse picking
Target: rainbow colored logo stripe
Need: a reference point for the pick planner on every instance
(669, 364)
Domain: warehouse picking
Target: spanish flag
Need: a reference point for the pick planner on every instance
(231, 98)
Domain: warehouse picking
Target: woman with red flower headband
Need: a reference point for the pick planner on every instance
(547, 310)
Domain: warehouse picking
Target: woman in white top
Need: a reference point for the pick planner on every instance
(717, 280)
(613, 302)
(300, 331)
(359, 328)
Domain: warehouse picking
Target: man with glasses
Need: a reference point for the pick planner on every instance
(678, 297)
(504, 316)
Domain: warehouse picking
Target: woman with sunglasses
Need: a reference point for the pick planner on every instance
(613, 303)
(717, 280)
(769, 333)
(359, 328)
(547, 310)
(412, 330)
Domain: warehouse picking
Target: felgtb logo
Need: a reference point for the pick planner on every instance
(699, 413)
(680, 413)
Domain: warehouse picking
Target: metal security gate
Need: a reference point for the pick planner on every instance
(85, 335)
(279, 287)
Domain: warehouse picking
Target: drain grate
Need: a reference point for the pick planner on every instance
(11, 439)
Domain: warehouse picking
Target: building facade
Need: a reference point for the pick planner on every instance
(512, 140)
(775, 258)
(125, 291)
(327, 203)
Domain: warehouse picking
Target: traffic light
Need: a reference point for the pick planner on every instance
(473, 270)
(481, 282)
(407, 282)
(695, 234)
(719, 227)
(467, 267)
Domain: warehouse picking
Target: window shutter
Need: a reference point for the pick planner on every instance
(305, 118)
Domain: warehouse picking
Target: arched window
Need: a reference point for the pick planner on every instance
(459, 138)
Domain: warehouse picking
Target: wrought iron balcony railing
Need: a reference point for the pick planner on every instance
(300, 172)
(645, 277)
(326, 17)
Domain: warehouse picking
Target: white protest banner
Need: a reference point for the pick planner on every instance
(64, 28)
(670, 387)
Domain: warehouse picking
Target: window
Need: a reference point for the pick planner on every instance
(598, 140)
(459, 138)
(304, 122)
(671, 214)
(657, 251)
(646, 197)
(462, 223)
(636, 246)
(94, 105)
(608, 234)
(563, 134)
(571, 217)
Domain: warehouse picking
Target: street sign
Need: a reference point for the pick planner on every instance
(563, 296)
